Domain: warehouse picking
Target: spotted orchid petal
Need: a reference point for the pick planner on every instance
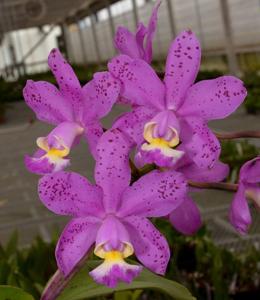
(154, 195)
(138, 45)
(203, 147)
(186, 217)
(75, 241)
(67, 80)
(112, 171)
(150, 247)
(55, 149)
(139, 81)
(67, 193)
(92, 134)
(182, 66)
(218, 172)
(125, 42)
(100, 94)
(47, 102)
(132, 123)
(214, 99)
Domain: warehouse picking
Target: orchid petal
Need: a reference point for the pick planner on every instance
(186, 217)
(139, 81)
(125, 42)
(214, 99)
(151, 28)
(182, 66)
(154, 195)
(203, 147)
(112, 171)
(132, 123)
(43, 165)
(150, 247)
(92, 133)
(67, 193)
(47, 102)
(239, 212)
(67, 80)
(217, 173)
(75, 241)
(250, 171)
(100, 93)
(56, 147)
(112, 234)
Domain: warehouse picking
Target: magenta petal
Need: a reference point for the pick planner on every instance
(214, 99)
(250, 171)
(125, 42)
(150, 246)
(154, 195)
(67, 193)
(112, 233)
(75, 241)
(217, 173)
(100, 94)
(113, 274)
(139, 81)
(151, 28)
(186, 217)
(203, 148)
(43, 165)
(132, 123)
(92, 133)
(112, 171)
(67, 80)
(182, 66)
(239, 213)
(47, 102)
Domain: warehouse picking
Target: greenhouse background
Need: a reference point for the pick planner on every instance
(229, 32)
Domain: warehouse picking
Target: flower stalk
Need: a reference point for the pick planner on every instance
(237, 134)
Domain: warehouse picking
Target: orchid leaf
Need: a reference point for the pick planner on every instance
(13, 293)
(82, 286)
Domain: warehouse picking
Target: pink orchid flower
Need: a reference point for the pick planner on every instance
(74, 110)
(112, 214)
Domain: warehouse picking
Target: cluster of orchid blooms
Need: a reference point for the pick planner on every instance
(167, 127)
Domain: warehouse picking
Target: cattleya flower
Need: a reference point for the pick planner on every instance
(168, 122)
(74, 110)
(112, 214)
(138, 45)
(249, 179)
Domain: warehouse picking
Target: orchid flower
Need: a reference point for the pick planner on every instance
(111, 214)
(138, 45)
(249, 179)
(74, 110)
(168, 122)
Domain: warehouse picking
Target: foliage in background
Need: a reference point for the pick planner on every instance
(204, 268)
(252, 83)
(235, 154)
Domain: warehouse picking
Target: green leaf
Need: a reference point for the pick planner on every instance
(13, 293)
(82, 285)
(11, 247)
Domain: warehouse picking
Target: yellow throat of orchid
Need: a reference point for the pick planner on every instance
(160, 143)
(53, 153)
(114, 255)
